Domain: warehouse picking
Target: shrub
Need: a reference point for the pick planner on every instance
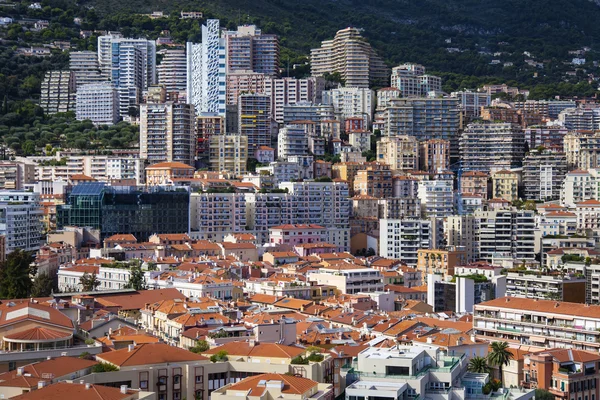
(104, 367)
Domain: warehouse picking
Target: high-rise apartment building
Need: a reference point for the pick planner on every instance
(437, 197)
(460, 231)
(216, 215)
(471, 102)
(547, 109)
(244, 82)
(292, 141)
(58, 92)
(506, 233)
(412, 81)
(374, 180)
(206, 127)
(86, 68)
(582, 150)
(401, 153)
(578, 119)
(351, 102)
(434, 155)
(21, 220)
(401, 239)
(492, 146)
(172, 70)
(290, 91)
(167, 133)
(98, 102)
(130, 64)
(352, 57)
(228, 152)
(254, 120)
(543, 175)
(248, 49)
(206, 71)
(424, 118)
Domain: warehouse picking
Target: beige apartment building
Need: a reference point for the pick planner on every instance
(228, 153)
(352, 56)
(401, 153)
(505, 185)
(440, 262)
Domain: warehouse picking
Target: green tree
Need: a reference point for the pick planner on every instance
(15, 275)
(200, 347)
(104, 367)
(42, 286)
(89, 282)
(478, 365)
(220, 356)
(543, 394)
(137, 280)
(500, 356)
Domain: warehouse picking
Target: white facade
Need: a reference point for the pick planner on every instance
(21, 220)
(349, 280)
(206, 65)
(289, 91)
(350, 102)
(412, 81)
(400, 239)
(101, 168)
(292, 141)
(215, 215)
(437, 198)
(99, 103)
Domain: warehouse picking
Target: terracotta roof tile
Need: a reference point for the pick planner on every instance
(149, 353)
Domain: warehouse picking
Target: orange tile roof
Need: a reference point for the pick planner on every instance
(164, 165)
(12, 312)
(291, 384)
(149, 353)
(56, 367)
(258, 350)
(294, 304)
(234, 246)
(440, 323)
(263, 298)
(75, 391)
(137, 300)
(81, 177)
(121, 238)
(39, 334)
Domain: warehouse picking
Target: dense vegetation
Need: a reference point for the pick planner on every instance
(403, 30)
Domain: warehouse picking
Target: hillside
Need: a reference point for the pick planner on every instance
(420, 31)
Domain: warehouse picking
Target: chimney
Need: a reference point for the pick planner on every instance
(124, 389)
(130, 347)
(473, 338)
(87, 386)
(109, 331)
(429, 340)
(41, 384)
(81, 382)
(20, 371)
(49, 358)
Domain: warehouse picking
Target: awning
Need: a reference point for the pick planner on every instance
(539, 339)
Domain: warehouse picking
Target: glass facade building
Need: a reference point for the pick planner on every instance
(136, 210)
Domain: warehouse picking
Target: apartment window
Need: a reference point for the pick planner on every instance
(144, 380)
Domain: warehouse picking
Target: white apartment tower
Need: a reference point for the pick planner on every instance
(98, 102)
(206, 65)
(21, 220)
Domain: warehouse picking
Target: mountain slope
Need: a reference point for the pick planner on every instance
(419, 31)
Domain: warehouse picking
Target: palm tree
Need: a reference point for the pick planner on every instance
(500, 356)
(478, 365)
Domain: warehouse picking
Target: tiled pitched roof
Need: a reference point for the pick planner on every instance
(149, 353)
(291, 384)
